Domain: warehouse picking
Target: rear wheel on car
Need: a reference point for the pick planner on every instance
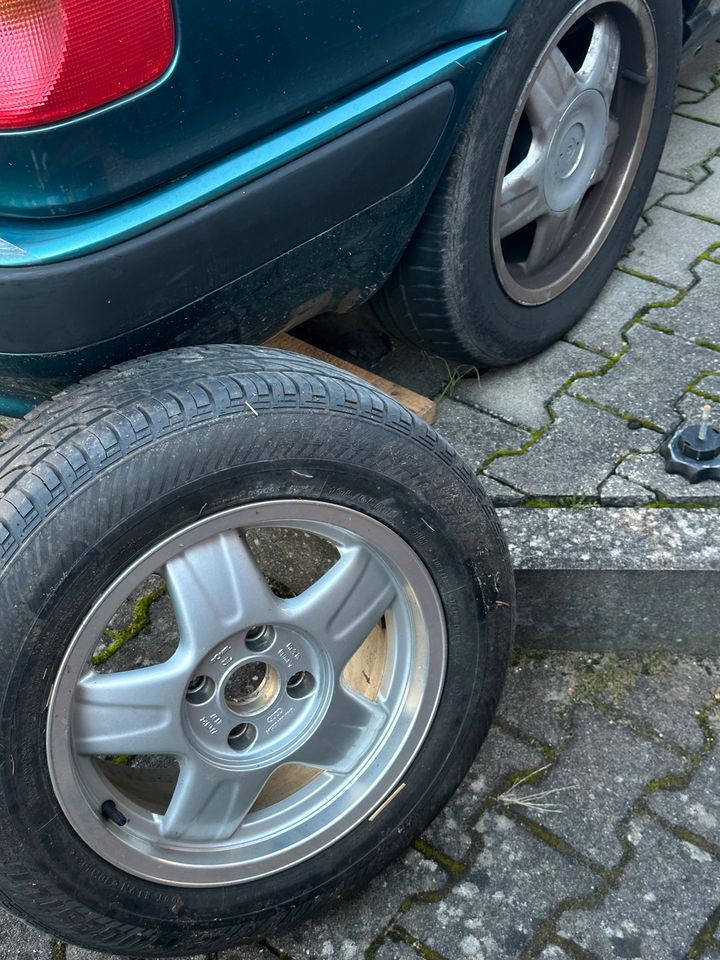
(256, 619)
(546, 183)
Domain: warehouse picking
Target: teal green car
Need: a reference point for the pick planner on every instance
(254, 615)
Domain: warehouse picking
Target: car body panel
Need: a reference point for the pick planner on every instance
(27, 242)
(243, 71)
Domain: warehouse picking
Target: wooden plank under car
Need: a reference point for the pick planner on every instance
(424, 407)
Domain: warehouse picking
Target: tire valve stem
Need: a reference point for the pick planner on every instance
(111, 812)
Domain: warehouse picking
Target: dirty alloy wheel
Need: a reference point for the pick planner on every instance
(256, 618)
(546, 183)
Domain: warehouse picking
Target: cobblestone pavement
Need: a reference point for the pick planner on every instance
(589, 826)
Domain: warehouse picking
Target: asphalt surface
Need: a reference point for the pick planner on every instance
(589, 826)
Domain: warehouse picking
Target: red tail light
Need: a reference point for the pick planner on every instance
(59, 58)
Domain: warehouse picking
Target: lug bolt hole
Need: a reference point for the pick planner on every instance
(242, 737)
(259, 638)
(200, 690)
(300, 685)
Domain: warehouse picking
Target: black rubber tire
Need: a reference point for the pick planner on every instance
(121, 460)
(445, 297)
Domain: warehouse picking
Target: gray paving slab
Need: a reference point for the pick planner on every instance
(666, 694)
(499, 759)
(553, 953)
(395, 951)
(247, 953)
(621, 300)
(19, 941)
(500, 493)
(701, 72)
(657, 907)
(475, 435)
(351, 927)
(576, 454)
(710, 384)
(538, 696)
(689, 144)
(648, 470)
(616, 491)
(521, 393)
(702, 200)
(664, 185)
(697, 805)
(670, 245)
(706, 109)
(648, 380)
(697, 315)
(514, 883)
(687, 95)
(588, 794)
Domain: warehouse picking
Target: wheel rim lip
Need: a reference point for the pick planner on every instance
(356, 797)
(544, 292)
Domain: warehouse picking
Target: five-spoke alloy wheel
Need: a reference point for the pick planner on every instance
(342, 679)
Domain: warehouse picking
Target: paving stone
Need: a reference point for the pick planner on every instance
(689, 144)
(351, 927)
(515, 882)
(686, 95)
(20, 941)
(649, 470)
(576, 454)
(553, 953)
(624, 295)
(704, 199)
(696, 316)
(521, 393)
(658, 906)
(670, 245)
(710, 384)
(647, 380)
(700, 72)
(537, 695)
(251, 952)
(500, 757)
(697, 806)
(500, 494)
(391, 950)
(474, 434)
(619, 492)
(706, 109)
(415, 370)
(667, 694)
(664, 184)
(593, 794)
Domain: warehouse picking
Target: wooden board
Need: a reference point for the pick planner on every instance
(424, 407)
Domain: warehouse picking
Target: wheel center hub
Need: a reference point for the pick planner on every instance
(250, 701)
(576, 150)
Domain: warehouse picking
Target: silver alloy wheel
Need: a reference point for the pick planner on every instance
(341, 744)
(573, 147)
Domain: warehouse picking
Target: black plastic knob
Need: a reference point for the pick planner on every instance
(693, 452)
